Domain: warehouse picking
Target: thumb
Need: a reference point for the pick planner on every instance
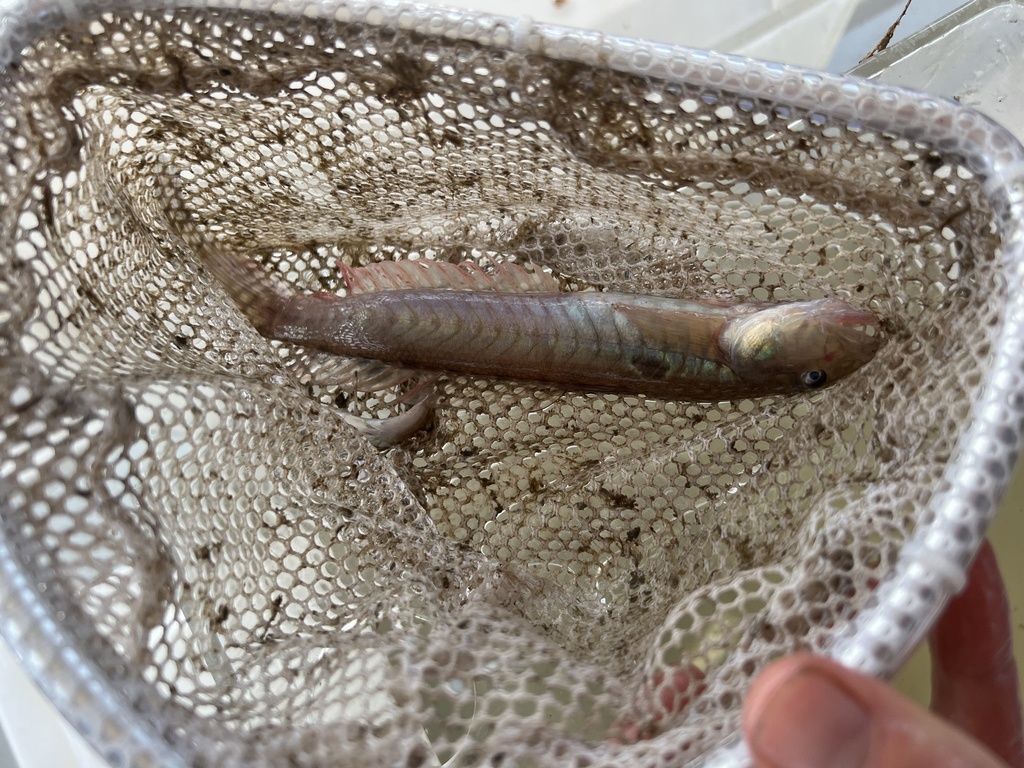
(805, 711)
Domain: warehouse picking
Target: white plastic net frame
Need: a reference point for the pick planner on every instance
(483, 655)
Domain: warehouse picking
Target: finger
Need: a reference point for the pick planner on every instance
(974, 675)
(806, 712)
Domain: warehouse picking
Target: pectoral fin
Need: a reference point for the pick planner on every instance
(360, 374)
(385, 433)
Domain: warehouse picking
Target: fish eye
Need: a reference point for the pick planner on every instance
(813, 379)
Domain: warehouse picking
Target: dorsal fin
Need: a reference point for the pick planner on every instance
(687, 333)
(443, 275)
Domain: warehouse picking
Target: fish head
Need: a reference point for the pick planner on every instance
(800, 346)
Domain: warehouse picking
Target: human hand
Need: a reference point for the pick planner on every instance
(805, 711)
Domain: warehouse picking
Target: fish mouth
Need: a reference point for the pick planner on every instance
(858, 328)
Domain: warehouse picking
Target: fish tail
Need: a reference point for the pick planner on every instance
(262, 298)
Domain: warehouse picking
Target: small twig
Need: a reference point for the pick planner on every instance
(887, 37)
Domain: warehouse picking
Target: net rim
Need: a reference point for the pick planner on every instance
(931, 568)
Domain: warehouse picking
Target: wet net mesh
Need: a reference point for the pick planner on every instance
(539, 574)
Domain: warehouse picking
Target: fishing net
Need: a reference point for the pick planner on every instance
(203, 562)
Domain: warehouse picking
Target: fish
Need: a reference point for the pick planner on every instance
(514, 321)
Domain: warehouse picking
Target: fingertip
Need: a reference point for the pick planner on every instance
(809, 711)
(762, 691)
(799, 712)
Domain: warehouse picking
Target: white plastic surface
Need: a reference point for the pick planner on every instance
(795, 31)
(37, 734)
(802, 32)
(973, 56)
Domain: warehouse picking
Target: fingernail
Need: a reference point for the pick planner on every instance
(811, 722)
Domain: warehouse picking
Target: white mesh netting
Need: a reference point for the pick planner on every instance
(220, 570)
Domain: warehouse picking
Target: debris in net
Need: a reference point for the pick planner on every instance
(887, 37)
